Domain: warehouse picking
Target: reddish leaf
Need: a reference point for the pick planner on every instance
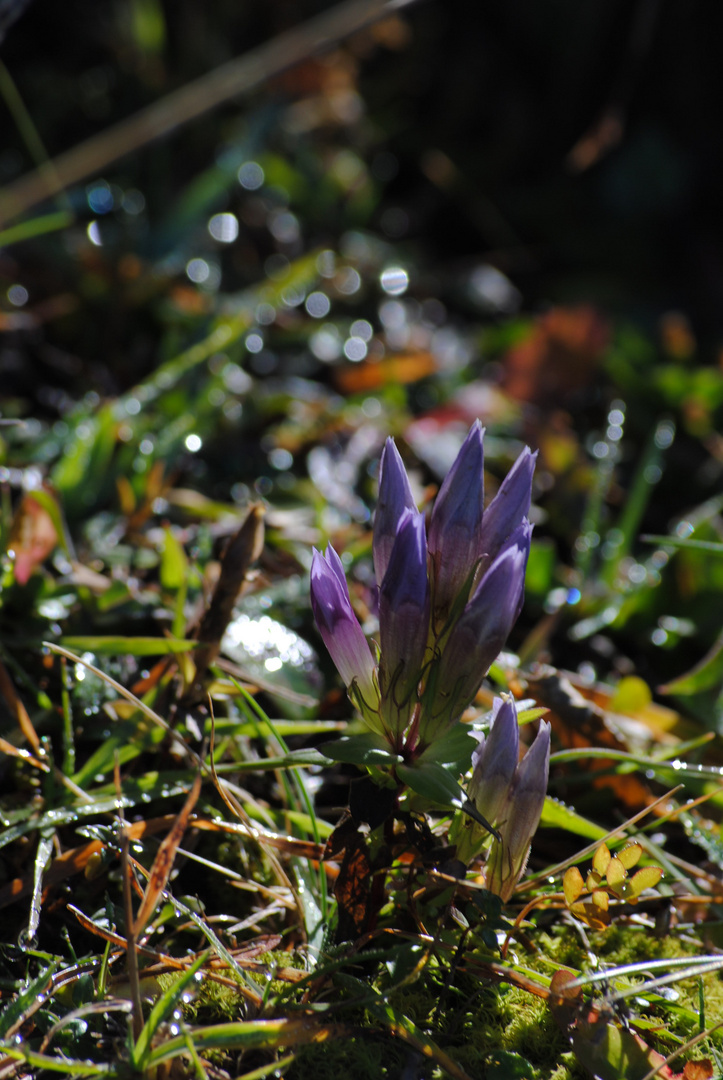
(32, 538)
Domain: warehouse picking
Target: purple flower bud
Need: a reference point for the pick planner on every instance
(510, 506)
(395, 496)
(456, 524)
(495, 760)
(479, 634)
(508, 857)
(404, 616)
(339, 627)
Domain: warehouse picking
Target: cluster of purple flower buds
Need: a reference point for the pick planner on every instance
(448, 597)
(510, 795)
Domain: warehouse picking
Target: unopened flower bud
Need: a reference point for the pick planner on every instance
(340, 629)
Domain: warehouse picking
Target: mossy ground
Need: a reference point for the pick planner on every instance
(492, 1030)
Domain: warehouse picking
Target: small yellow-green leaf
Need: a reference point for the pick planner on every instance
(174, 564)
(600, 899)
(572, 885)
(528, 715)
(601, 859)
(593, 881)
(631, 696)
(615, 873)
(647, 878)
(630, 855)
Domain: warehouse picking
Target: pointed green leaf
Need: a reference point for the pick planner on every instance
(127, 646)
(367, 748)
(430, 780)
(705, 675)
(555, 815)
(453, 749)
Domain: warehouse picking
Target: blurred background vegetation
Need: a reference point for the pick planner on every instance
(506, 210)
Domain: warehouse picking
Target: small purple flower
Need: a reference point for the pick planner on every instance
(510, 506)
(446, 603)
(520, 817)
(455, 528)
(478, 635)
(495, 761)
(340, 629)
(395, 496)
(403, 620)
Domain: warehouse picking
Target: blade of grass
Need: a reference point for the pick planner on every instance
(163, 1008)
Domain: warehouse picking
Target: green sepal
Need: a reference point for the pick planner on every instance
(452, 750)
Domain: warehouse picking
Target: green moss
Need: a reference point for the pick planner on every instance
(485, 1027)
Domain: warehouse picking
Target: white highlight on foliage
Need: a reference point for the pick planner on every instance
(394, 280)
(224, 228)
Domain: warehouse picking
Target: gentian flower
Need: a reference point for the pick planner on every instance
(477, 636)
(510, 795)
(446, 603)
(510, 506)
(495, 760)
(522, 812)
(403, 621)
(340, 629)
(455, 528)
(395, 496)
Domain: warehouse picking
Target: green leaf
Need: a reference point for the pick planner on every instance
(162, 1010)
(26, 230)
(555, 815)
(366, 748)
(705, 675)
(103, 645)
(528, 715)
(174, 564)
(679, 542)
(453, 749)
(13, 1013)
(432, 781)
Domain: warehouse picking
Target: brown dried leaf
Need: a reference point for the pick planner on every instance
(163, 862)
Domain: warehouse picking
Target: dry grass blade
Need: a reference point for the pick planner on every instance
(20, 713)
(193, 100)
(24, 755)
(18, 710)
(236, 808)
(163, 862)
